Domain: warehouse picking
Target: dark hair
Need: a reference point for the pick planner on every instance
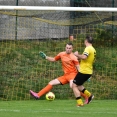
(89, 39)
(69, 43)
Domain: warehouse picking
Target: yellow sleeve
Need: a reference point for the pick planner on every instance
(86, 51)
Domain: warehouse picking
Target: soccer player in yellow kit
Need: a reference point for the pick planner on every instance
(85, 71)
(70, 67)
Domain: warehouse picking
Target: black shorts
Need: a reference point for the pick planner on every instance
(81, 78)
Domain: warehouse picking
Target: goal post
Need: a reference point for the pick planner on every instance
(47, 29)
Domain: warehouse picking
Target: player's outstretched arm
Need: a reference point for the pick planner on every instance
(50, 59)
(43, 55)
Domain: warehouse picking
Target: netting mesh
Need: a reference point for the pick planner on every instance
(49, 24)
(24, 33)
(36, 2)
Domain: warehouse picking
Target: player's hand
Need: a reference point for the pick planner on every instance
(42, 54)
(76, 53)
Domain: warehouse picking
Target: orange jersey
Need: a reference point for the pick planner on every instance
(69, 62)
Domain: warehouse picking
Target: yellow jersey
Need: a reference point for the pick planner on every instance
(86, 66)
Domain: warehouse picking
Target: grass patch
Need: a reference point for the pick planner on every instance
(63, 108)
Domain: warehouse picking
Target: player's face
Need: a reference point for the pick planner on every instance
(68, 49)
(85, 42)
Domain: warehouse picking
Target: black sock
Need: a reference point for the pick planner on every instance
(83, 90)
(78, 98)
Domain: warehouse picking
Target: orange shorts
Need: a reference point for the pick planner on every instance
(65, 79)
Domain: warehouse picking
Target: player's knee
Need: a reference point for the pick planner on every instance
(71, 84)
(51, 83)
(54, 82)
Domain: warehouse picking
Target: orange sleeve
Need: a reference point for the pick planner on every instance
(57, 57)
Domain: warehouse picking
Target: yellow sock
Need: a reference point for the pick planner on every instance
(86, 92)
(80, 102)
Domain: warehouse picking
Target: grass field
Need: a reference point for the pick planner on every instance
(58, 108)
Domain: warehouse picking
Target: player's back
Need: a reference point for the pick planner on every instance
(86, 66)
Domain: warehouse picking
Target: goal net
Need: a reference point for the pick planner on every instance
(24, 31)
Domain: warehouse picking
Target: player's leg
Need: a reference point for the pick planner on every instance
(71, 84)
(59, 80)
(81, 93)
(45, 89)
(77, 95)
(84, 96)
(48, 87)
(81, 88)
(79, 80)
(87, 93)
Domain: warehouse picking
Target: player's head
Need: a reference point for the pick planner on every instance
(69, 48)
(88, 40)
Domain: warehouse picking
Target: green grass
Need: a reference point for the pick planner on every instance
(58, 108)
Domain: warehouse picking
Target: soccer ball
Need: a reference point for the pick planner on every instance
(50, 96)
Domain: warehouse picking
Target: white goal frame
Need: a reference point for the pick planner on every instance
(45, 8)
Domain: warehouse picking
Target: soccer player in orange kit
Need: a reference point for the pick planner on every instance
(70, 67)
